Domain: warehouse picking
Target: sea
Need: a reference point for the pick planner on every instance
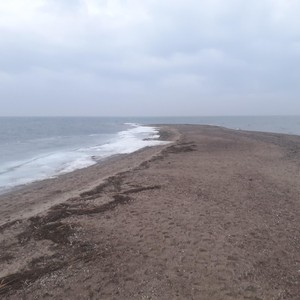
(37, 148)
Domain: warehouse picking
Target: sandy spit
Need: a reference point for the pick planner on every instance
(214, 215)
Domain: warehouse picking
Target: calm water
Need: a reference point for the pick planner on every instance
(277, 124)
(37, 148)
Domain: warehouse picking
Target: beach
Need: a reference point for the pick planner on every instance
(212, 215)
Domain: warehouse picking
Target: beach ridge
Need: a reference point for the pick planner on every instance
(213, 215)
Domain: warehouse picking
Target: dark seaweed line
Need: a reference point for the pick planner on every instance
(17, 280)
(38, 226)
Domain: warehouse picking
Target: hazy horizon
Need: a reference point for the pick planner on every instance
(148, 116)
(132, 58)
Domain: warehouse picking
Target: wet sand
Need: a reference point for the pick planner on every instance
(214, 215)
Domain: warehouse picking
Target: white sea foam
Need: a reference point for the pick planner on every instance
(130, 140)
(60, 162)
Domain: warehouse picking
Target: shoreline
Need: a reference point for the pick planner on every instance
(124, 141)
(56, 193)
(213, 215)
(163, 137)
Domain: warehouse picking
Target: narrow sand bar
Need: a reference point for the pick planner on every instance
(214, 215)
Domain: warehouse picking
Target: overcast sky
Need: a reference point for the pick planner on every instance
(149, 57)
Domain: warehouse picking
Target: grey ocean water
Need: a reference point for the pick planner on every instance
(276, 124)
(37, 148)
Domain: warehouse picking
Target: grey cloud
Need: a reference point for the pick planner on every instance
(181, 56)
